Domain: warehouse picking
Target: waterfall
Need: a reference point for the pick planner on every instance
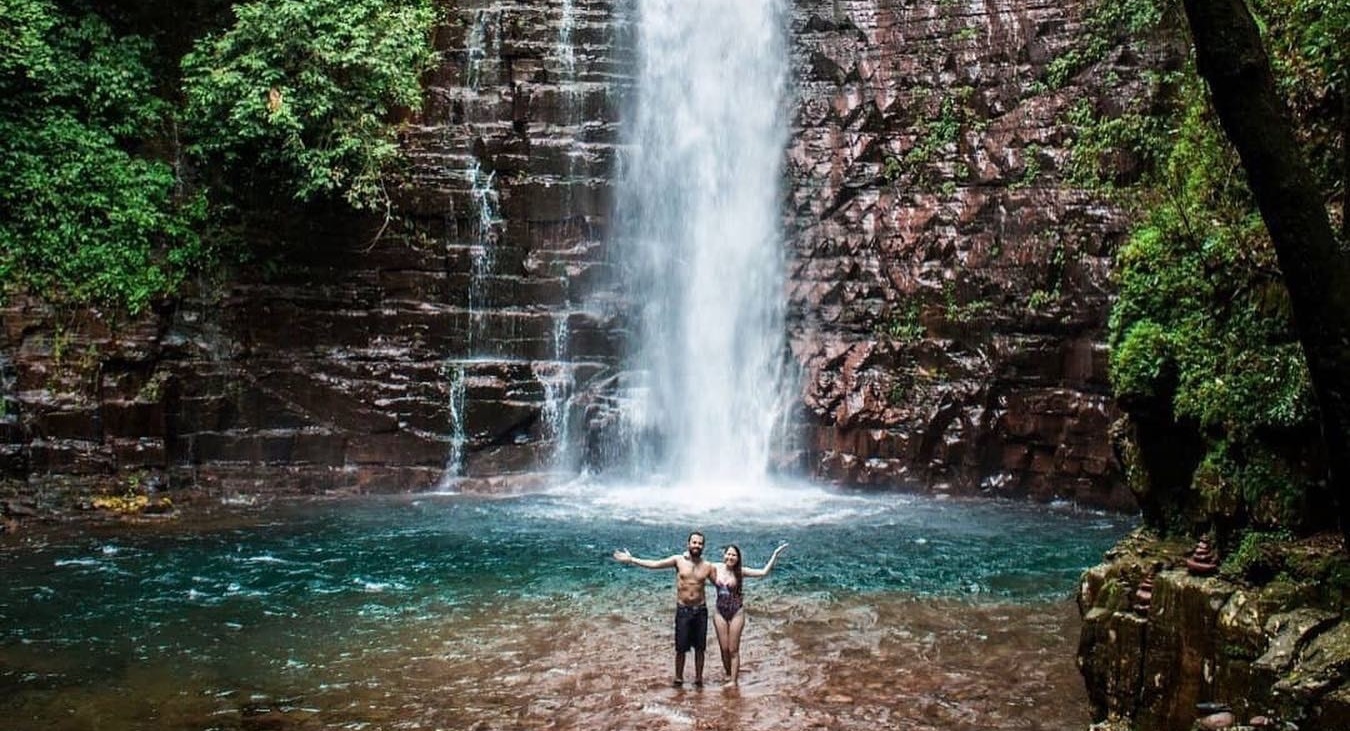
(567, 54)
(479, 187)
(483, 31)
(483, 262)
(9, 410)
(454, 462)
(698, 228)
(483, 253)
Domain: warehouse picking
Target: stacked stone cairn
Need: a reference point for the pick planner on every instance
(1203, 560)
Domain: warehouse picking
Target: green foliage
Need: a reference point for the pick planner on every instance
(1202, 325)
(1031, 167)
(1101, 141)
(1042, 298)
(297, 95)
(85, 219)
(1258, 557)
(902, 384)
(306, 91)
(1248, 478)
(1200, 293)
(1140, 358)
(963, 312)
(1106, 24)
(1309, 46)
(934, 135)
(892, 169)
(904, 324)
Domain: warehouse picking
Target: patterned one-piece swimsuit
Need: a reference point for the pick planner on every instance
(728, 600)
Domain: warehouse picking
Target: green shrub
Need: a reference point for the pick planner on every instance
(85, 218)
(1259, 557)
(296, 98)
(304, 93)
(1202, 326)
(904, 324)
(1106, 24)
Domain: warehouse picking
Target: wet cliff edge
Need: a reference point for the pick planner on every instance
(1259, 640)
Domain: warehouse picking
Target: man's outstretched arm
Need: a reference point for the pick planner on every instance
(623, 556)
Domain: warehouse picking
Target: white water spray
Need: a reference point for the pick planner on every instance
(699, 224)
(454, 462)
(483, 253)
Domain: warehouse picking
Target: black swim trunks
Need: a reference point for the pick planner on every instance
(691, 627)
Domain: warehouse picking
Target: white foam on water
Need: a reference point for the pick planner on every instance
(700, 502)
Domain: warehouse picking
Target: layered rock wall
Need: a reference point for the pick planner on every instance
(441, 347)
(948, 286)
(950, 282)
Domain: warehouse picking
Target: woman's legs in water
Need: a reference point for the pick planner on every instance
(731, 651)
(723, 641)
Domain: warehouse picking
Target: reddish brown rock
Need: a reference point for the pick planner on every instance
(946, 308)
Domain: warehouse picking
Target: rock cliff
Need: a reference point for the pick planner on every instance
(951, 282)
(1266, 642)
(948, 283)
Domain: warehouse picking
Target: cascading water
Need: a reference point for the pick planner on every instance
(567, 55)
(558, 391)
(484, 29)
(454, 462)
(477, 46)
(698, 221)
(483, 253)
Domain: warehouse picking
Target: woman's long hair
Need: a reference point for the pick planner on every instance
(736, 571)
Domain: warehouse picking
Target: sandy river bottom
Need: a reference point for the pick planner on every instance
(860, 662)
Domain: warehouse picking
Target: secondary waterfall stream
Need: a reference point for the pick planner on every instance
(698, 221)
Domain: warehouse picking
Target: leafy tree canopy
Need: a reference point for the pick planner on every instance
(1202, 329)
(305, 91)
(96, 205)
(87, 218)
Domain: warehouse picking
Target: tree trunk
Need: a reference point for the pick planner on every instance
(1233, 61)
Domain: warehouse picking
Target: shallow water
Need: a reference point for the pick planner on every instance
(466, 612)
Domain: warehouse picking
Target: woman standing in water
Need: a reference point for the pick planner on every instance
(729, 619)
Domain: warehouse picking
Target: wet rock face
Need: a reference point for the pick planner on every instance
(948, 288)
(1211, 644)
(949, 285)
(447, 345)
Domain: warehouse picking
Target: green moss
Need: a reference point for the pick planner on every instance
(1202, 325)
(903, 324)
(1114, 595)
(1258, 558)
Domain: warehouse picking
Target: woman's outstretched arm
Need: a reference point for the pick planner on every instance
(755, 573)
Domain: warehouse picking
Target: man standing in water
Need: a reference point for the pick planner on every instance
(691, 609)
